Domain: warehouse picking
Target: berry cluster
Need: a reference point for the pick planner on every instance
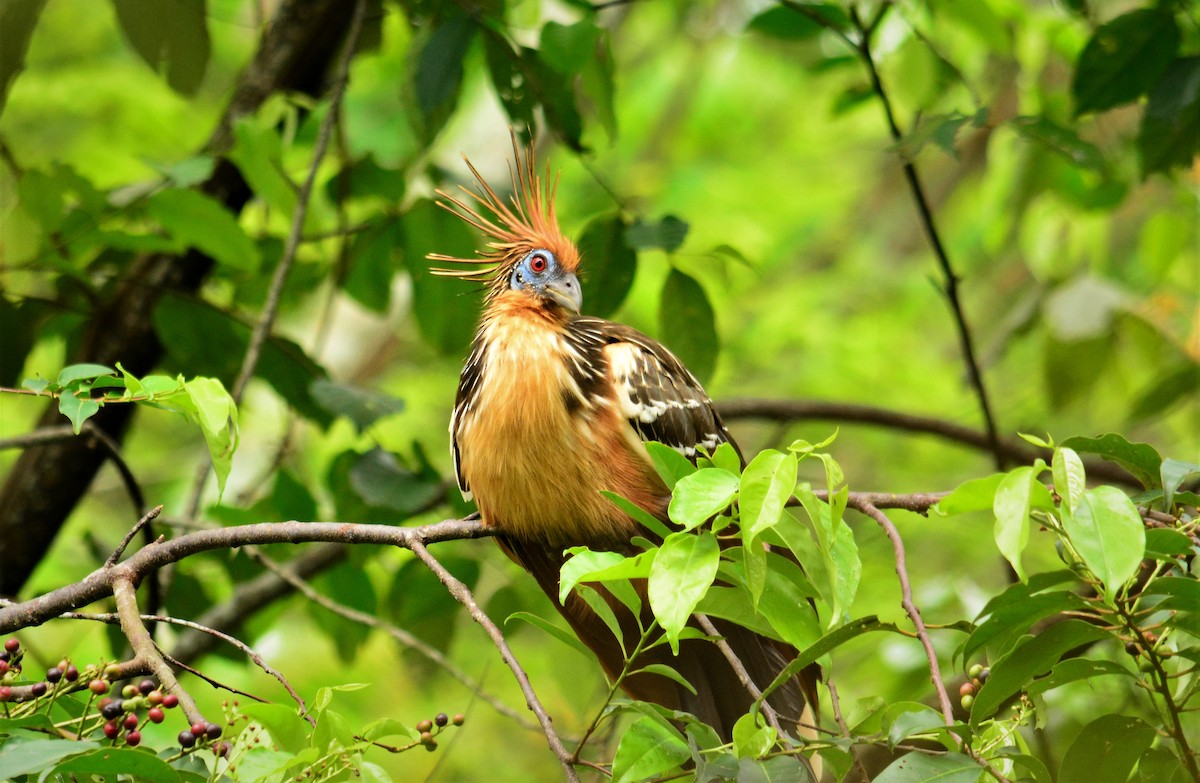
(429, 729)
(122, 713)
(979, 675)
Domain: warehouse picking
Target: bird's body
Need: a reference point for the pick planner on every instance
(553, 409)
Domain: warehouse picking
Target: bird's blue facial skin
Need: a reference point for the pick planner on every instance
(540, 273)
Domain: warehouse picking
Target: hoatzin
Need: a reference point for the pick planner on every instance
(552, 408)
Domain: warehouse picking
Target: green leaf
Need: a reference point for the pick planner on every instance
(360, 406)
(1014, 612)
(288, 730)
(787, 24)
(703, 494)
(1181, 592)
(1106, 750)
(683, 570)
(1123, 58)
(77, 409)
(670, 464)
(586, 565)
(648, 748)
(1069, 477)
(437, 72)
(18, 19)
(1160, 765)
(172, 39)
(79, 372)
(917, 767)
(1140, 459)
(1170, 132)
(567, 48)
(766, 485)
(974, 495)
(258, 154)
(382, 481)
(1019, 492)
(446, 309)
(196, 220)
(824, 646)
(24, 752)
(1016, 669)
(777, 769)
(137, 764)
(1166, 544)
(365, 178)
(663, 670)
(687, 318)
(388, 727)
(752, 738)
(1109, 535)
(666, 234)
(1075, 669)
(217, 414)
(911, 719)
(610, 263)
(1173, 473)
(1059, 140)
(369, 275)
(564, 636)
(639, 514)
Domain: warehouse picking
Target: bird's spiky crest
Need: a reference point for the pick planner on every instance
(525, 223)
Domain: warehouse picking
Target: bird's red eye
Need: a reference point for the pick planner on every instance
(538, 263)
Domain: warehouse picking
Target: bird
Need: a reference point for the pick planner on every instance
(553, 409)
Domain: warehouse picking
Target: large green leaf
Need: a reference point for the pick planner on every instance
(18, 19)
(1140, 459)
(171, 37)
(767, 484)
(701, 495)
(608, 264)
(688, 324)
(1019, 493)
(918, 767)
(1170, 132)
(1109, 535)
(436, 72)
(446, 309)
(134, 763)
(649, 747)
(1106, 750)
(196, 220)
(1015, 670)
(1123, 58)
(683, 570)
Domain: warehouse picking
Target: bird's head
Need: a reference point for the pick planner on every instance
(526, 251)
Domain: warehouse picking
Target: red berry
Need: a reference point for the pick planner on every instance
(198, 729)
(170, 700)
(12, 645)
(155, 714)
(133, 738)
(3, 668)
(5, 693)
(130, 722)
(966, 689)
(71, 673)
(212, 731)
(154, 698)
(145, 686)
(223, 749)
(98, 687)
(187, 739)
(39, 689)
(111, 730)
(458, 719)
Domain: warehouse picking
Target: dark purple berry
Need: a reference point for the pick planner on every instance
(223, 749)
(54, 674)
(71, 673)
(133, 738)
(983, 675)
(441, 719)
(186, 738)
(145, 686)
(4, 656)
(212, 731)
(111, 730)
(39, 689)
(113, 709)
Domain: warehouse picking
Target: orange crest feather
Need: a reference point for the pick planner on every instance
(525, 223)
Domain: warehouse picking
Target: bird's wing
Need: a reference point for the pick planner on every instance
(659, 397)
(468, 388)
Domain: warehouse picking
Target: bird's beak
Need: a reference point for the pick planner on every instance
(566, 291)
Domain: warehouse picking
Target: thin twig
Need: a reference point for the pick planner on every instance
(141, 523)
(463, 595)
(906, 600)
(950, 277)
(740, 670)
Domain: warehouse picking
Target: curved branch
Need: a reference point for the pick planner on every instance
(1013, 450)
